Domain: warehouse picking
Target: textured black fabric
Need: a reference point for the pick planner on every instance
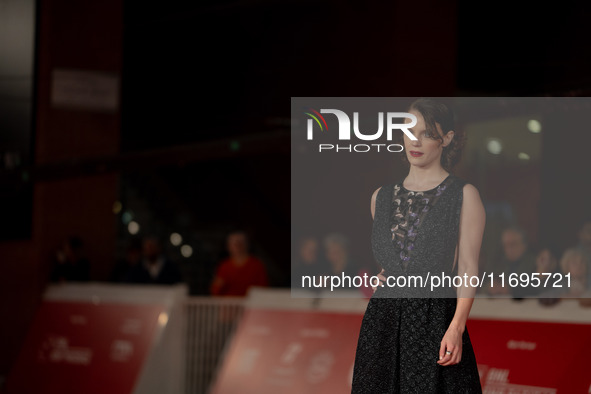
(402, 327)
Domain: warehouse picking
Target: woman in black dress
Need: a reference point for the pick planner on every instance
(414, 339)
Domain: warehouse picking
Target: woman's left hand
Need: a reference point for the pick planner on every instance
(452, 341)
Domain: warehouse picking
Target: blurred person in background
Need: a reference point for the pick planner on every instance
(69, 264)
(574, 262)
(336, 249)
(585, 236)
(546, 263)
(133, 257)
(241, 270)
(308, 261)
(155, 267)
(517, 259)
(585, 245)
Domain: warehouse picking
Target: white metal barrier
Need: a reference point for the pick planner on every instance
(210, 322)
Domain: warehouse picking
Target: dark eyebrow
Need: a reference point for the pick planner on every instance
(413, 129)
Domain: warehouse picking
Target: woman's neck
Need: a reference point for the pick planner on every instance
(419, 177)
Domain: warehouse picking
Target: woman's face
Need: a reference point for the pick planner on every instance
(426, 150)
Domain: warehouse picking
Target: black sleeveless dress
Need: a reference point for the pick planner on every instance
(414, 234)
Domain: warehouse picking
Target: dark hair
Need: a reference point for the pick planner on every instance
(551, 249)
(435, 112)
(239, 231)
(305, 238)
(517, 230)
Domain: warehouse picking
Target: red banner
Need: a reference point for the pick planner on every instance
(532, 357)
(291, 352)
(85, 348)
(313, 352)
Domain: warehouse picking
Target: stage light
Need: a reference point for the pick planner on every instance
(494, 146)
(186, 251)
(126, 217)
(523, 156)
(176, 239)
(534, 126)
(133, 227)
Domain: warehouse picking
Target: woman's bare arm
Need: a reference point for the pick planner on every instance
(373, 212)
(374, 196)
(472, 221)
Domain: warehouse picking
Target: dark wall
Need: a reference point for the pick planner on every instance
(84, 35)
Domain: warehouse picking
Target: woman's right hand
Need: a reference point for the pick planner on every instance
(382, 279)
